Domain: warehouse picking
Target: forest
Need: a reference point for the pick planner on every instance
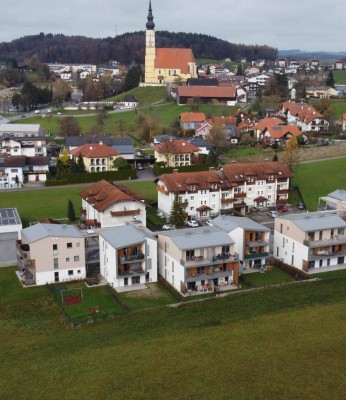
(126, 49)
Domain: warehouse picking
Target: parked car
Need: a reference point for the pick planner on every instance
(273, 214)
(300, 206)
(209, 222)
(139, 167)
(192, 223)
(282, 208)
(167, 227)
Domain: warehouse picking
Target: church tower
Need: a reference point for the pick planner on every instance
(150, 50)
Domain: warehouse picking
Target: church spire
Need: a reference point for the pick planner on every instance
(150, 23)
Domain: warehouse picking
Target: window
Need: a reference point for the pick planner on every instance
(76, 258)
(192, 208)
(69, 245)
(55, 249)
(77, 244)
(67, 259)
(192, 197)
(70, 272)
(56, 263)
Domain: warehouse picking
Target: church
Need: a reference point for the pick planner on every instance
(165, 65)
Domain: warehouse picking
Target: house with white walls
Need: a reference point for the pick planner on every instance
(310, 241)
(197, 259)
(128, 256)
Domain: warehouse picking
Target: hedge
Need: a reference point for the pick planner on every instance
(94, 177)
(159, 170)
(293, 271)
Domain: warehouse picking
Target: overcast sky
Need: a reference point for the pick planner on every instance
(295, 24)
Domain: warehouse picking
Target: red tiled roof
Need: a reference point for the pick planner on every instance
(261, 170)
(91, 150)
(207, 91)
(278, 131)
(343, 116)
(176, 147)
(192, 117)
(103, 194)
(174, 59)
(224, 121)
(203, 208)
(265, 123)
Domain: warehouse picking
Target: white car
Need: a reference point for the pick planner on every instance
(167, 227)
(273, 214)
(192, 223)
(209, 222)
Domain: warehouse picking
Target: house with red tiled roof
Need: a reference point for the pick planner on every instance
(235, 187)
(263, 124)
(207, 94)
(175, 153)
(97, 157)
(191, 120)
(165, 65)
(105, 205)
(279, 134)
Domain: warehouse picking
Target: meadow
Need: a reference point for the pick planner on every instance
(275, 343)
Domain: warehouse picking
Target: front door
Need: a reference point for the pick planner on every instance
(56, 276)
(126, 281)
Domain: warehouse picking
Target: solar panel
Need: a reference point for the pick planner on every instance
(8, 216)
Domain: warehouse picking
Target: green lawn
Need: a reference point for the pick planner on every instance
(154, 296)
(274, 277)
(277, 343)
(340, 77)
(147, 189)
(93, 297)
(330, 275)
(318, 179)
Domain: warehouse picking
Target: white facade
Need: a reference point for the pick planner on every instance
(128, 256)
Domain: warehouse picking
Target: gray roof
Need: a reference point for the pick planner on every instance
(4, 120)
(229, 223)
(195, 238)
(40, 231)
(309, 222)
(338, 195)
(124, 148)
(122, 145)
(122, 236)
(199, 142)
(4, 128)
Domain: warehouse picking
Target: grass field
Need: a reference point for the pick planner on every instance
(274, 277)
(318, 179)
(340, 77)
(281, 343)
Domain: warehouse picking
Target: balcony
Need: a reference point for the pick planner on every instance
(132, 258)
(257, 243)
(337, 239)
(207, 274)
(253, 256)
(241, 195)
(227, 200)
(131, 272)
(202, 261)
(282, 191)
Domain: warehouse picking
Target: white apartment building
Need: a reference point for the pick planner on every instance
(128, 256)
(310, 241)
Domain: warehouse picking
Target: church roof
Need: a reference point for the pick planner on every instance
(174, 59)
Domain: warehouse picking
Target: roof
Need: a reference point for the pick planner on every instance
(163, 138)
(192, 117)
(202, 237)
(174, 58)
(278, 131)
(202, 179)
(40, 231)
(21, 161)
(178, 146)
(207, 91)
(261, 170)
(199, 142)
(91, 150)
(4, 120)
(130, 98)
(229, 223)
(19, 128)
(122, 236)
(338, 195)
(265, 123)
(309, 222)
(103, 194)
(9, 216)
(224, 120)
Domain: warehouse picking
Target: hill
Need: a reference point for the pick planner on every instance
(126, 48)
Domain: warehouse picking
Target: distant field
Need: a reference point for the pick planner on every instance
(339, 77)
(281, 343)
(318, 179)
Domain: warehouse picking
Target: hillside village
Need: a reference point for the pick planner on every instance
(209, 239)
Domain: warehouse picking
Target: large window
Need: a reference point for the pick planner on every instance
(56, 263)
(55, 249)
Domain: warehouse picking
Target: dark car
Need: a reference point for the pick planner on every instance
(282, 208)
(300, 206)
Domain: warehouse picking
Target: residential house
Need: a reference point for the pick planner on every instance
(198, 259)
(16, 170)
(128, 256)
(261, 80)
(203, 145)
(10, 228)
(339, 65)
(238, 186)
(105, 205)
(192, 120)
(66, 75)
(203, 130)
(129, 101)
(50, 253)
(320, 92)
(251, 240)
(163, 138)
(262, 126)
(23, 146)
(228, 125)
(176, 153)
(333, 201)
(279, 134)
(97, 157)
(207, 94)
(310, 241)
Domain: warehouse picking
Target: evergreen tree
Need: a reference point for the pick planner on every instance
(80, 163)
(71, 215)
(330, 79)
(276, 157)
(177, 216)
(73, 165)
(133, 77)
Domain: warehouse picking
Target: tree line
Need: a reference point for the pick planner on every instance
(126, 48)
